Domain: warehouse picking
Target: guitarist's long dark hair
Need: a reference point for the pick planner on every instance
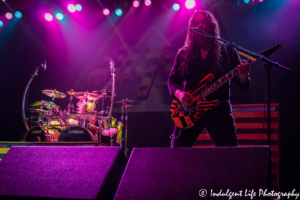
(190, 41)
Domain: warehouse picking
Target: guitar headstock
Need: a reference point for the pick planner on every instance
(267, 52)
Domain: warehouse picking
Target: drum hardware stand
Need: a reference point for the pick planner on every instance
(100, 130)
(71, 105)
(126, 119)
(112, 70)
(25, 92)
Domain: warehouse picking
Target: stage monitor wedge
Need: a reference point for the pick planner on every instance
(184, 173)
(62, 172)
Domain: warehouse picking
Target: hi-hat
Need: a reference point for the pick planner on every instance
(124, 103)
(54, 93)
(44, 104)
(103, 93)
(87, 95)
(71, 92)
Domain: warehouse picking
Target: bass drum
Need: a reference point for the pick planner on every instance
(35, 134)
(76, 134)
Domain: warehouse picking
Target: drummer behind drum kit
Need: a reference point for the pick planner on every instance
(85, 123)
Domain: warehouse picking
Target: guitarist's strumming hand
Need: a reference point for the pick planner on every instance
(185, 98)
(243, 69)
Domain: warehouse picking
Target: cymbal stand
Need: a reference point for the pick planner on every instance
(86, 105)
(25, 92)
(100, 130)
(71, 105)
(126, 119)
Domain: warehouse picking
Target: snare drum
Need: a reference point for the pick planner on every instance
(76, 134)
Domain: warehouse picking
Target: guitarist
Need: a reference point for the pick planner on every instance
(199, 57)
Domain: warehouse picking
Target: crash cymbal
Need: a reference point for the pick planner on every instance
(36, 110)
(126, 103)
(71, 92)
(103, 93)
(87, 95)
(45, 104)
(54, 93)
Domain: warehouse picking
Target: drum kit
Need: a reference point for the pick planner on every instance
(87, 122)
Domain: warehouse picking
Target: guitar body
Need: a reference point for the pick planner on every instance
(186, 117)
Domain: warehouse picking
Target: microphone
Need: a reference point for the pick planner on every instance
(197, 29)
(45, 66)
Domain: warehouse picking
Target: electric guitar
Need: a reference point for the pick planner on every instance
(186, 117)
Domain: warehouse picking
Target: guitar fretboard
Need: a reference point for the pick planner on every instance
(205, 92)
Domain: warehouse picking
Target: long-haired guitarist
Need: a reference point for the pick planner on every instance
(199, 63)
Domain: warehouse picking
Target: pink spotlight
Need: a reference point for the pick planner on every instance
(48, 17)
(148, 2)
(190, 4)
(136, 3)
(71, 8)
(260, 0)
(106, 11)
(8, 15)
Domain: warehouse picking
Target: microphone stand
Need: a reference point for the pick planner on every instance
(268, 66)
(25, 92)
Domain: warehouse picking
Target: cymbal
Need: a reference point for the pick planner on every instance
(56, 94)
(126, 103)
(45, 104)
(36, 110)
(103, 93)
(87, 95)
(71, 92)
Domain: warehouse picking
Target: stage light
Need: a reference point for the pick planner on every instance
(48, 17)
(18, 14)
(190, 4)
(59, 16)
(136, 3)
(176, 6)
(148, 2)
(78, 7)
(260, 0)
(119, 12)
(8, 15)
(1, 23)
(106, 11)
(71, 8)
(246, 1)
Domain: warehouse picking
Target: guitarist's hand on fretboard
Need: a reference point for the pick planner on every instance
(243, 70)
(185, 98)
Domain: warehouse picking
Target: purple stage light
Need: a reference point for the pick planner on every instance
(78, 7)
(136, 3)
(260, 0)
(106, 11)
(48, 17)
(59, 16)
(190, 4)
(176, 6)
(71, 8)
(148, 2)
(8, 15)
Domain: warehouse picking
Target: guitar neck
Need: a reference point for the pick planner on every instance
(210, 89)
